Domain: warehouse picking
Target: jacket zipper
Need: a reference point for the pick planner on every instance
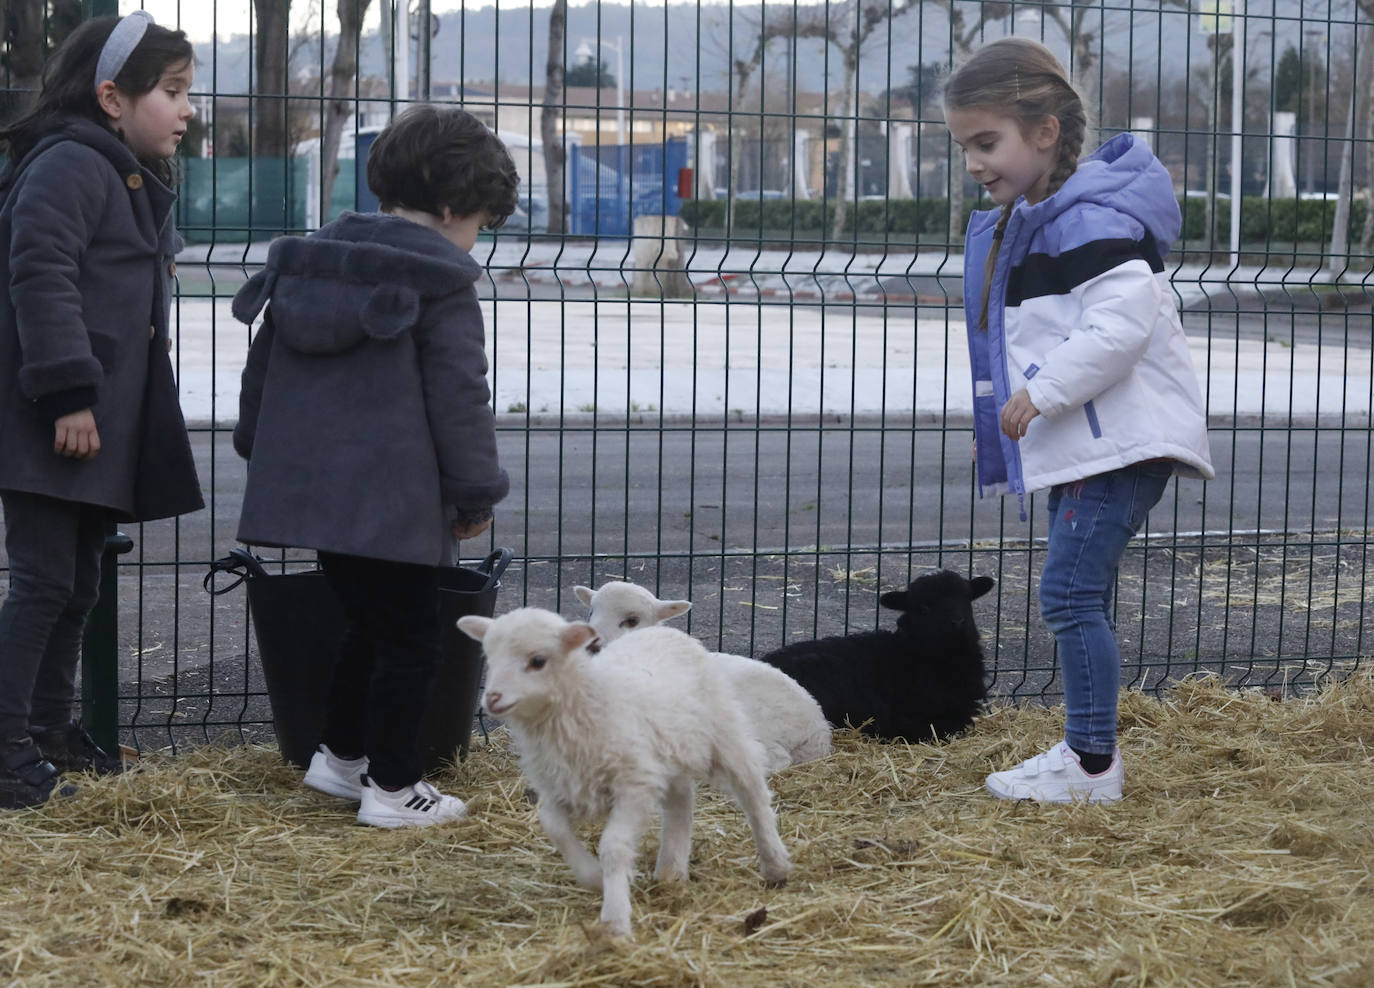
(1016, 483)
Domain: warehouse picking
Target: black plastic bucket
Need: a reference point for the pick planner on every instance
(299, 625)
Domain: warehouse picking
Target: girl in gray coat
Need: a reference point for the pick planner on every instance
(90, 427)
(367, 423)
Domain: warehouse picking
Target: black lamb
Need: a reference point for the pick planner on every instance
(924, 681)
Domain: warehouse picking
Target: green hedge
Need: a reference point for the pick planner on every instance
(1274, 221)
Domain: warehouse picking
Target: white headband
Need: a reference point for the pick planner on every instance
(121, 44)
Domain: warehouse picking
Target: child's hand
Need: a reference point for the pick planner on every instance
(76, 436)
(1017, 414)
(462, 531)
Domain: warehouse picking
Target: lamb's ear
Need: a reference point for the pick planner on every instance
(584, 594)
(474, 625)
(576, 635)
(895, 599)
(671, 608)
(980, 585)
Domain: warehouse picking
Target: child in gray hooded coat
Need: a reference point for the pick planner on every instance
(367, 423)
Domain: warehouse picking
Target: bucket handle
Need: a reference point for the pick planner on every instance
(241, 563)
(246, 566)
(493, 566)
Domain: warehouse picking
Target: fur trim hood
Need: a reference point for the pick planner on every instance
(362, 277)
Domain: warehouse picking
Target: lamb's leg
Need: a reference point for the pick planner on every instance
(631, 811)
(737, 762)
(675, 843)
(586, 868)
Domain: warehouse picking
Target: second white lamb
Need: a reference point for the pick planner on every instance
(784, 718)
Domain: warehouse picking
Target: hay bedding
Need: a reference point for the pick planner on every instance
(1241, 856)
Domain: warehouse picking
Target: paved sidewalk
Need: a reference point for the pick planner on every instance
(747, 354)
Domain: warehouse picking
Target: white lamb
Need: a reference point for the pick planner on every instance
(784, 718)
(623, 734)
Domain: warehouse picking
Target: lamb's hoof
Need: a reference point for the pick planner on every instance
(614, 930)
(775, 876)
(671, 875)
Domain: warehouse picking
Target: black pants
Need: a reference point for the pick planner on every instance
(54, 552)
(386, 663)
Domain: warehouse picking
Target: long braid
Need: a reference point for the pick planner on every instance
(991, 264)
(1072, 126)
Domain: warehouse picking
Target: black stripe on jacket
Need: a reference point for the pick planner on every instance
(1042, 274)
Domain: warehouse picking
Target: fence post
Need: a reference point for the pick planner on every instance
(100, 649)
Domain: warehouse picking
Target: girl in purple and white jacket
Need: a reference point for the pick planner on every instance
(1083, 383)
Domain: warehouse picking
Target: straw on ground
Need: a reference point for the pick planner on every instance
(1241, 856)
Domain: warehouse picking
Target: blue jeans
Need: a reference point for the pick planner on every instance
(1091, 521)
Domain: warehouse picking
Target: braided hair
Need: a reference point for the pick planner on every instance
(1021, 79)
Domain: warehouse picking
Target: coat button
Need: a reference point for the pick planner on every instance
(152, 332)
(169, 344)
(134, 182)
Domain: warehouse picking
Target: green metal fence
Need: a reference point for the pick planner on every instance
(749, 387)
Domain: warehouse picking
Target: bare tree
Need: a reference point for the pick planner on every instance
(555, 157)
(1072, 17)
(304, 87)
(1213, 77)
(742, 69)
(1364, 83)
(343, 70)
(271, 54)
(963, 32)
(744, 63)
(31, 38)
(851, 26)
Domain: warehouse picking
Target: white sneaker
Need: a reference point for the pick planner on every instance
(420, 805)
(342, 777)
(1057, 777)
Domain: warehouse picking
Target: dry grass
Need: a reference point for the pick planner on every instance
(1241, 856)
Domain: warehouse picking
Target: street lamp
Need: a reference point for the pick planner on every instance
(1315, 37)
(586, 53)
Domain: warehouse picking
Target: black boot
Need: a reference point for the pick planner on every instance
(26, 779)
(71, 749)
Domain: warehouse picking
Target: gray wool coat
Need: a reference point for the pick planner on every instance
(364, 411)
(86, 245)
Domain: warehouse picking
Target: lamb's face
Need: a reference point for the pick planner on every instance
(939, 605)
(618, 608)
(528, 652)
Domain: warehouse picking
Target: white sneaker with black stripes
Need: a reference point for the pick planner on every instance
(419, 805)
